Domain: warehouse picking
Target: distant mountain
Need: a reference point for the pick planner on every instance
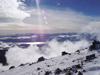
(47, 37)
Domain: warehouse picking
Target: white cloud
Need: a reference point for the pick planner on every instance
(56, 20)
(92, 27)
(64, 20)
(10, 11)
(55, 48)
(15, 56)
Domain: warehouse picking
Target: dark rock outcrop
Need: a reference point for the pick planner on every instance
(47, 72)
(3, 58)
(89, 57)
(80, 73)
(64, 53)
(95, 45)
(12, 67)
(22, 65)
(68, 73)
(76, 66)
(38, 68)
(41, 59)
(57, 71)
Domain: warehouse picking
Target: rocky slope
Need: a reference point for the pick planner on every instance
(85, 61)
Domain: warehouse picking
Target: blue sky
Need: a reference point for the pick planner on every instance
(49, 16)
(88, 7)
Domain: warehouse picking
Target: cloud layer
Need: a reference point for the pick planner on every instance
(15, 17)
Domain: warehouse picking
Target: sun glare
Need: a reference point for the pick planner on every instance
(39, 16)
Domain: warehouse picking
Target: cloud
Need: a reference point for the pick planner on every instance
(93, 28)
(59, 20)
(54, 48)
(10, 11)
(58, 17)
(53, 20)
(15, 56)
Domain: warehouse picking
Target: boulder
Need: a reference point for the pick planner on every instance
(89, 57)
(65, 70)
(76, 66)
(68, 73)
(64, 53)
(22, 65)
(38, 68)
(57, 71)
(41, 59)
(12, 67)
(47, 72)
(80, 73)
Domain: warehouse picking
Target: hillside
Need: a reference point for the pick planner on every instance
(89, 59)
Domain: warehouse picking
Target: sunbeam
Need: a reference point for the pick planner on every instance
(39, 17)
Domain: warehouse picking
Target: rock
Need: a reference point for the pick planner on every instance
(30, 64)
(22, 65)
(65, 70)
(3, 59)
(78, 51)
(90, 57)
(76, 66)
(80, 73)
(57, 71)
(84, 71)
(48, 65)
(47, 72)
(41, 59)
(12, 67)
(64, 53)
(68, 73)
(38, 68)
(75, 71)
(69, 68)
(73, 61)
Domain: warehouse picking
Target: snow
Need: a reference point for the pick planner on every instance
(3, 45)
(92, 67)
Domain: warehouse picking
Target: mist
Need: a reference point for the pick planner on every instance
(55, 48)
(16, 56)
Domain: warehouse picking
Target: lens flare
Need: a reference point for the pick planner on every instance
(44, 17)
(39, 16)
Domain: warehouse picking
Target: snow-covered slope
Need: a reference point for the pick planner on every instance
(48, 67)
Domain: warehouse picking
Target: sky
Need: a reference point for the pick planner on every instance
(49, 16)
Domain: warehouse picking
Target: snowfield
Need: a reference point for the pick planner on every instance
(91, 66)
